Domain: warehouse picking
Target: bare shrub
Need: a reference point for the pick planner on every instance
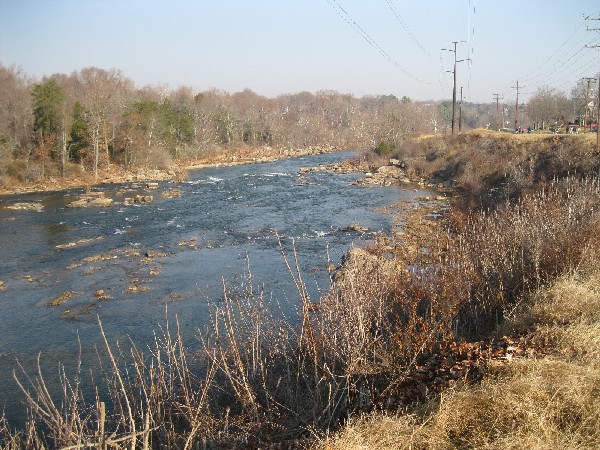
(158, 158)
(154, 401)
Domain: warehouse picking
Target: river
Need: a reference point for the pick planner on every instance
(226, 222)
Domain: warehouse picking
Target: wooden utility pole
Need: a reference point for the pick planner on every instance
(460, 112)
(598, 106)
(517, 107)
(454, 85)
(587, 102)
(497, 110)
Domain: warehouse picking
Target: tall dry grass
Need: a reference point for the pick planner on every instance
(490, 168)
(522, 258)
(552, 402)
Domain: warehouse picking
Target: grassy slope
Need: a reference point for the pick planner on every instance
(549, 400)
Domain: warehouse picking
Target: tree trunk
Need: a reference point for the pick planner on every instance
(96, 139)
(63, 153)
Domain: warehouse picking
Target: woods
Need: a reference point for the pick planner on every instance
(87, 121)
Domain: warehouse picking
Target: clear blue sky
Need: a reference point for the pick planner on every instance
(284, 46)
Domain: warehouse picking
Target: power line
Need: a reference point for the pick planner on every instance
(405, 26)
(575, 72)
(560, 63)
(471, 28)
(357, 28)
(539, 67)
(560, 66)
(570, 68)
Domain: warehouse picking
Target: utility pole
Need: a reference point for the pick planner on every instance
(454, 86)
(517, 107)
(587, 101)
(598, 106)
(497, 110)
(460, 112)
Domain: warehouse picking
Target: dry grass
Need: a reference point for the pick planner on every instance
(489, 168)
(528, 263)
(568, 316)
(547, 403)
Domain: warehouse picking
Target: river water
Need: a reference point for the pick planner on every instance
(226, 220)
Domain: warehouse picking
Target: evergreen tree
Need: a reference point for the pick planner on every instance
(48, 103)
(48, 124)
(79, 135)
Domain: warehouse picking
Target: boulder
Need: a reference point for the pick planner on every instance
(26, 206)
(138, 199)
(398, 163)
(62, 298)
(171, 193)
(101, 202)
(88, 199)
(356, 227)
(101, 295)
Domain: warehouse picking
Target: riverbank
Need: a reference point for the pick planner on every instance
(537, 391)
(474, 323)
(177, 172)
(520, 366)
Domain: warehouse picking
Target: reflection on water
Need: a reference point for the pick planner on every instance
(125, 263)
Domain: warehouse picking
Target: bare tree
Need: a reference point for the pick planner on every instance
(546, 108)
(16, 120)
(105, 96)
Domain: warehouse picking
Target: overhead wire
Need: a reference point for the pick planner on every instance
(587, 62)
(358, 29)
(539, 67)
(442, 75)
(571, 71)
(407, 29)
(471, 41)
(564, 63)
(556, 66)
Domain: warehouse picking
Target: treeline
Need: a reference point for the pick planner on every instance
(93, 119)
